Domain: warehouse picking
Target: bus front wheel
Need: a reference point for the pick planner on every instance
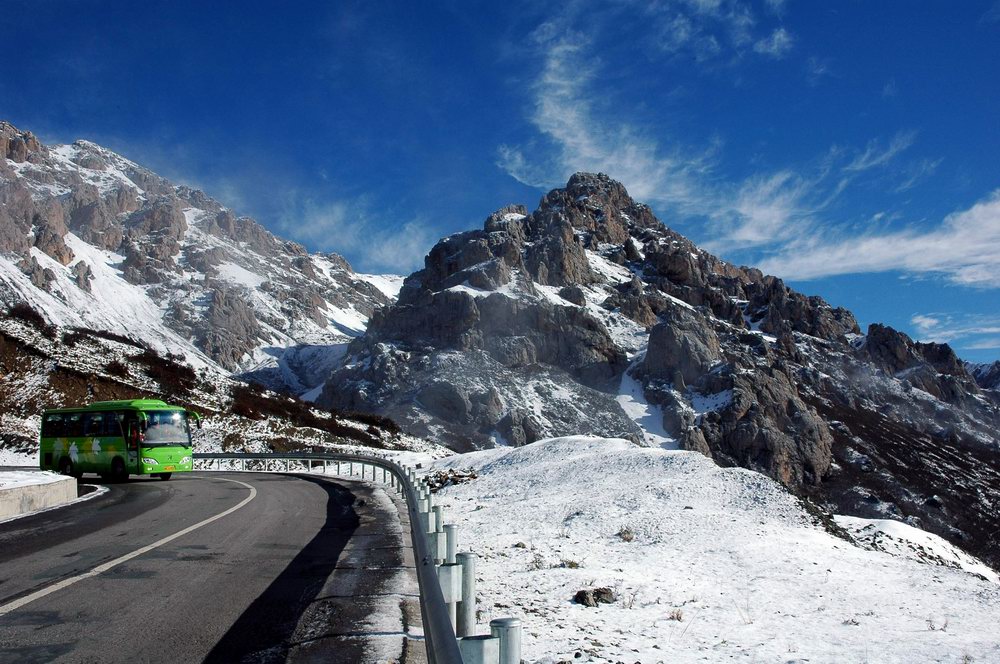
(118, 472)
(66, 467)
(164, 476)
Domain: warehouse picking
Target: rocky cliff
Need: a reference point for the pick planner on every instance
(92, 239)
(588, 315)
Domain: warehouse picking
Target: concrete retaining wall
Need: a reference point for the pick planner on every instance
(18, 500)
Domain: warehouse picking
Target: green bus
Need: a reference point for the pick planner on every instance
(117, 438)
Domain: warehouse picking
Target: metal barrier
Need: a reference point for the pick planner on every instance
(447, 578)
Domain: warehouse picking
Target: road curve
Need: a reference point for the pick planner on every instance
(310, 568)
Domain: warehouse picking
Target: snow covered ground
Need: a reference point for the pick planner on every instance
(722, 565)
(10, 479)
(10, 457)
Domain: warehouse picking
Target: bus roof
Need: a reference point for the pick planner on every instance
(126, 404)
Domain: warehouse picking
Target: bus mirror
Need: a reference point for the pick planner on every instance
(192, 415)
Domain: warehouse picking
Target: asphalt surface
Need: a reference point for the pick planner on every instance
(311, 569)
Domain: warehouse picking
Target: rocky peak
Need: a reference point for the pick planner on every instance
(15, 144)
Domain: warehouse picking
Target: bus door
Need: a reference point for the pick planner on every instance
(132, 430)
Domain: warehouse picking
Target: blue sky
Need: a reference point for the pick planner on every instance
(849, 147)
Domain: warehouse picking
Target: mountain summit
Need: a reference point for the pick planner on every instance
(588, 315)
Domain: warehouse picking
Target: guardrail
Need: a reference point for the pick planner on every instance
(447, 578)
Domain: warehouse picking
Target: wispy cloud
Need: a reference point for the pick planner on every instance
(578, 140)
(964, 248)
(766, 209)
(967, 331)
(992, 14)
(350, 228)
(876, 155)
(817, 69)
(776, 45)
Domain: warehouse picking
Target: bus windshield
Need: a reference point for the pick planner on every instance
(166, 427)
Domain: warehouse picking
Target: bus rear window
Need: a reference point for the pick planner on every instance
(52, 425)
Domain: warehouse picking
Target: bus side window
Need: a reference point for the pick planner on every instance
(73, 425)
(52, 425)
(93, 424)
(111, 427)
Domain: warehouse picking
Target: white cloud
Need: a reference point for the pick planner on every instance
(967, 331)
(875, 155)
(564, 115)
(817, 69)
(965, 248)
(776, 45)
(983, 344)
(348, 227)
(766, 209)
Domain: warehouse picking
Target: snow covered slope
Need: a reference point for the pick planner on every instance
(708, 564)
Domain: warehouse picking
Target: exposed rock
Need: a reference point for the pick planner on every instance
(16, 145)
(593, 596)
(683, 343)
(230, 328)
(573, 294)
(53, 245)
(83, 275)
(446, 401)
(40, 277)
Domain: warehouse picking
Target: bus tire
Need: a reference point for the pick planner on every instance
(164, 476)
(66, 467)
(118, 471)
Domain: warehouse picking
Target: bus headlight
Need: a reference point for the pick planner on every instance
(149, 462)
(186, 459)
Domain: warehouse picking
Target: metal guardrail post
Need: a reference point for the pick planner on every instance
(508, 630)
(438, 544)
(479, 649)
(465, 625)
(451, 544)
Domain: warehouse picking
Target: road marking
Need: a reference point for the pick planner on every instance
(100, 569)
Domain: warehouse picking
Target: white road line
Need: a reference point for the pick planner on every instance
(100, 569)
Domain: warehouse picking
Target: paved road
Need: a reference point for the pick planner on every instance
(309, 568)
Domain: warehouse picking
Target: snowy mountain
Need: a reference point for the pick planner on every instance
(986, 375)
(589, 316)
(91, 239)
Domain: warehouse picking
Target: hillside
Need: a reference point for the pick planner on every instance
(43, 366)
